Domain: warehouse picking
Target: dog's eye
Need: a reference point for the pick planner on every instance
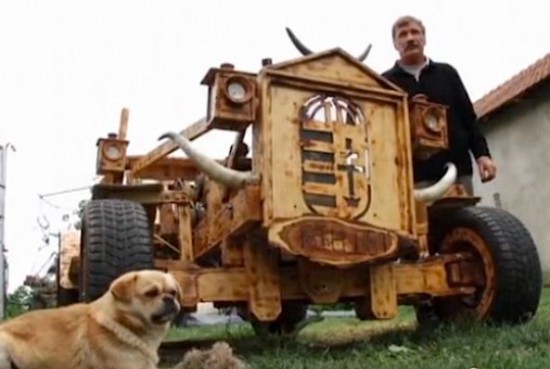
(152, 293)
(172, 292)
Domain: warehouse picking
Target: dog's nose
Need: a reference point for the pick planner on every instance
(170, 305)
(168, 299)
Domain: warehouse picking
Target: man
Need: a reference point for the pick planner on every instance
(440, 83)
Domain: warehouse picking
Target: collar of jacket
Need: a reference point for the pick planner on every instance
(397, 66)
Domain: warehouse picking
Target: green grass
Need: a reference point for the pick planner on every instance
(349, 343)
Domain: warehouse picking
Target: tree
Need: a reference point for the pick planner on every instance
(18, 302)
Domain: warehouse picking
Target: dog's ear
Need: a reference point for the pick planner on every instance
(123, 288)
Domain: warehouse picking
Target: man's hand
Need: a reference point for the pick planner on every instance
(487, 168)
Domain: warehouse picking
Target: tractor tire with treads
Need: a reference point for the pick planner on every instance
(116, 238)
(508, 258)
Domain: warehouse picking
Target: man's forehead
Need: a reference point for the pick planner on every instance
(407, 24)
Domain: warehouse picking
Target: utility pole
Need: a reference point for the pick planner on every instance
(3, 172)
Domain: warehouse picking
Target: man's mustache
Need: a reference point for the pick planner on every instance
(412, 44)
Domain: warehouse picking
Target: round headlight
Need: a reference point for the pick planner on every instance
(236, 91)
(112, 152)
(431, 122)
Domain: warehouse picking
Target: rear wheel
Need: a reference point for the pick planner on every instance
(505, 259)
(116, 238)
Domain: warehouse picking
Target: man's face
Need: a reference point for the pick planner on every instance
(409, 41)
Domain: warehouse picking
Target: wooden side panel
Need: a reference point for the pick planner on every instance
(69, 248)
(315, 164)
(185, 235)
(383, 291)
(262, 272)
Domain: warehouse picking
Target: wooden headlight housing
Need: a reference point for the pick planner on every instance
(428, 128)
(231, 98)
(111, 155)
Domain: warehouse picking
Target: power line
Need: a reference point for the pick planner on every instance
(43, 197)
(62, 192)
(58, 207)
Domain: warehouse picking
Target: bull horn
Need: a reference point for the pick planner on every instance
(306, 51)
(365, 53)
(213, 169)
(297, 43)
(438, 189)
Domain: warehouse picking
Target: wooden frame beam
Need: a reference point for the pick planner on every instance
(194, 131)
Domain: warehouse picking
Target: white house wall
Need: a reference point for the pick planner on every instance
(519, 139)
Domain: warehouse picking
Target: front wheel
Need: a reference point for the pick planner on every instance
(115, 238)
(506, 260)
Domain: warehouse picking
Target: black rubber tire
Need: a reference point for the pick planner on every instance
(518, 272)
(116, 238)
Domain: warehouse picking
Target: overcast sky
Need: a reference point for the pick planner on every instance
(67, 68)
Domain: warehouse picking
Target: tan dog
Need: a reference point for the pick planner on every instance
(123, 329)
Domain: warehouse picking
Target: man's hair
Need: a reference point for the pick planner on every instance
(405, 20)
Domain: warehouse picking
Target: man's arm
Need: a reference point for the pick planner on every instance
(476, 140)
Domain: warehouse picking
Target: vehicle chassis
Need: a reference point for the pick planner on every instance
(303, 221)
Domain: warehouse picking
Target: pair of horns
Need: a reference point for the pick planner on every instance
(237, 179)
(306, 51)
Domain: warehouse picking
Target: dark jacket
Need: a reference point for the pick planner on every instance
(441, 83)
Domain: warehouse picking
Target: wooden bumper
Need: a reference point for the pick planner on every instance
(264, 284)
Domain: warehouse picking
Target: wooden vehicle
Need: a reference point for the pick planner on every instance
(321, 209)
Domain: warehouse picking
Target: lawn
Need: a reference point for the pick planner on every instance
(349, 343)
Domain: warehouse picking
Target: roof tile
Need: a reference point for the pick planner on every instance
(513, 88)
